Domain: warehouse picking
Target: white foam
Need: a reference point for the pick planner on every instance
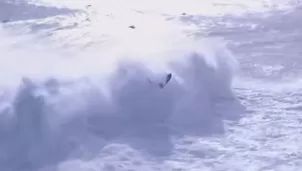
(60, 102)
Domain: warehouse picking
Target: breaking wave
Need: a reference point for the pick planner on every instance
(57, 106)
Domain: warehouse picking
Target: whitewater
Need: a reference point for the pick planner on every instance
(76, 95)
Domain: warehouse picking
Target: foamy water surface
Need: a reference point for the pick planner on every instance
(79, 85)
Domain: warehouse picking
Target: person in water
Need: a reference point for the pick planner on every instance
(168, 78)
(166, 81)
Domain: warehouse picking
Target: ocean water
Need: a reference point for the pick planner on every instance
(79, 85)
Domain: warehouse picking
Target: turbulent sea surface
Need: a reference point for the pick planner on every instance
(79, 85)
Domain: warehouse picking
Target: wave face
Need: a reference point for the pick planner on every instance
(65, 105)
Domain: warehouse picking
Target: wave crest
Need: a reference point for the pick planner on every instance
(95, 101)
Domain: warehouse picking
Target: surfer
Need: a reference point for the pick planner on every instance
(163, 84)
(168, 78)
